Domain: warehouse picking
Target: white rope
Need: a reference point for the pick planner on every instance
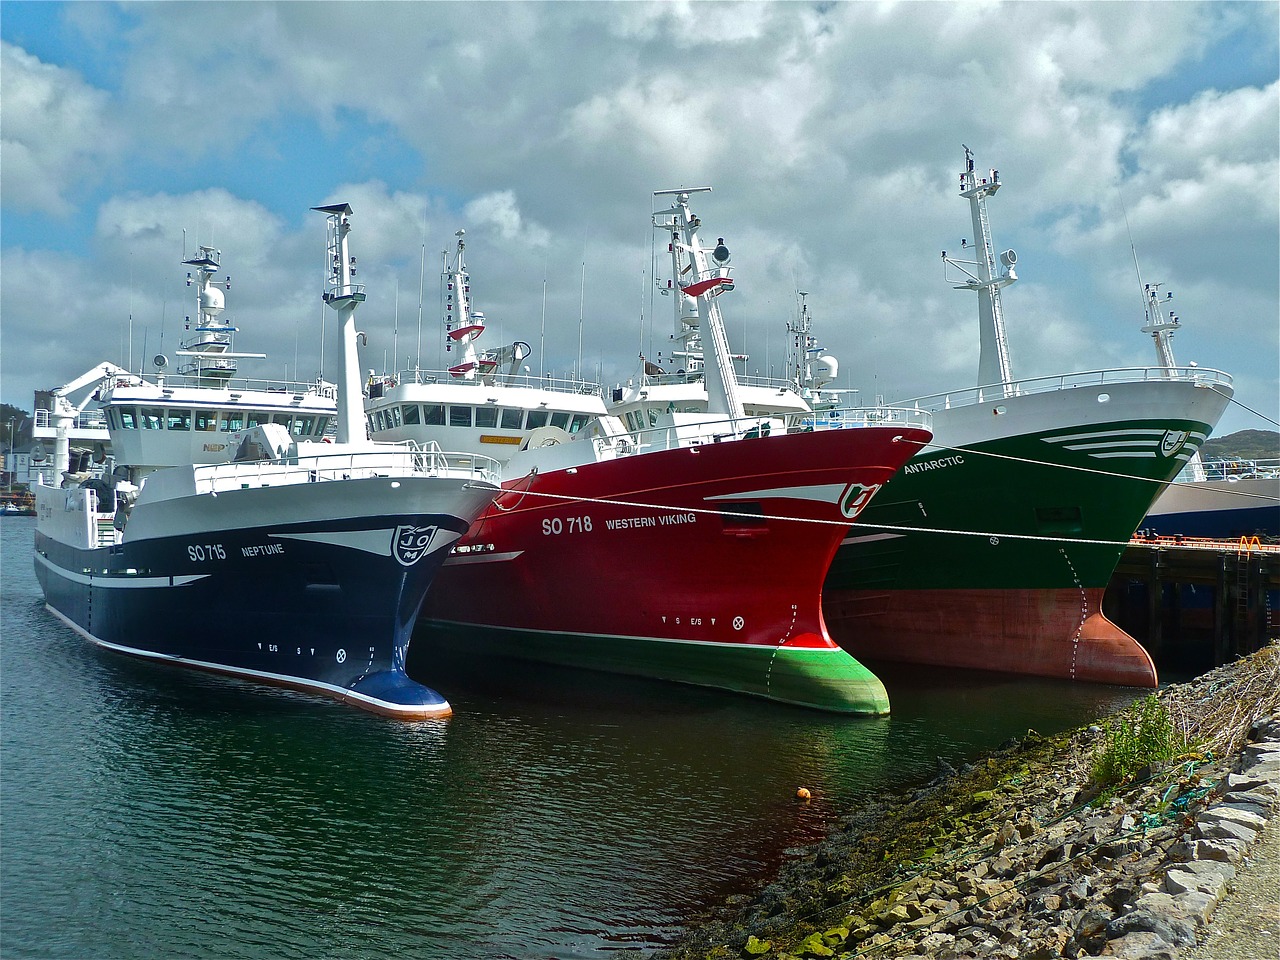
(995, 537)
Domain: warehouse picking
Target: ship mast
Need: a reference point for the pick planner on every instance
(461, 327)
(1161, 330)
(697, 313)
(344, 296)
(993, 358)
(213, 363)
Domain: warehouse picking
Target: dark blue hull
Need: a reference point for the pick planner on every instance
(295, 605)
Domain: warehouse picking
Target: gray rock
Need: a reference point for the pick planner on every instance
(1216, 828)
(1234, 782)
(1157, 913)
(1140, 945)
(1205, 876)
(1224, 812)
(1226, 851)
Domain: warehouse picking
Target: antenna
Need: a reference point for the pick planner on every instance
(422, 276)
(582, 296)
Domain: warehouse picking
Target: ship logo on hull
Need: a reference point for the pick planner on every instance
(1172, 442)
(855, 498)
(410, 544)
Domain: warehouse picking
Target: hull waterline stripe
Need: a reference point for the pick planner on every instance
(872, 537)
(456, 559)
(822, 493)
(726, 644)
(277, 679)
(862, 524)
(116, 581)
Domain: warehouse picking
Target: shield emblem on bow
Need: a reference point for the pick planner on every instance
(1172, 442)
(410, 544)
(855, 497)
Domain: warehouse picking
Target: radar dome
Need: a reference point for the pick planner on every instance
(212, 300)
(825, 368)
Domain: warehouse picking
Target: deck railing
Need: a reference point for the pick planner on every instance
(1068, 381)
(487, 381)
(402, 460)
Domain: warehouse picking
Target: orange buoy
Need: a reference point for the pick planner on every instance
(803, 794)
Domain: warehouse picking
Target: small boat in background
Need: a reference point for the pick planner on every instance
(1220, 499)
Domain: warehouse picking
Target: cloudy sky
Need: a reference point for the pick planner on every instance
(831, 133)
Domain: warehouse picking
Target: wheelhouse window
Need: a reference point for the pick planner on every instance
(128, 418)
(459, 416)
(230, 421)
(179, 419)
(411, 413)
(152, 418)
(206, 420)
(486, 416)
(433, 414)
(560, 419)
(537, 418)
(302, 426)
(322, 424)
(393, 413)
(511, 418)
(257, 418)
(379, 423)
(579, 421)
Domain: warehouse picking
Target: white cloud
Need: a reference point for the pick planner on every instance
(54, 134)
(830, 132)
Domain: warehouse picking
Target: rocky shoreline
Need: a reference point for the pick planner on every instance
(1023, 855)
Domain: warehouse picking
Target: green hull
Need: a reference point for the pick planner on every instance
(823, 679)
(1077, 520)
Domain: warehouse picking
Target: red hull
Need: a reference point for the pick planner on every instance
(1013, 631)
(649, 548)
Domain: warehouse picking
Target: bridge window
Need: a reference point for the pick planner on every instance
(128, 418)
(379, 424)
(230, 421)
(179, 419)
(256, 418)
(206, 419)
(486, 416)
(322, 424)
(433, 414)
(560, 419)
(511, 419)
(152, 418)
(579, 421)
(302, 426)
(459, 416)
(411, 413)
(537, 418)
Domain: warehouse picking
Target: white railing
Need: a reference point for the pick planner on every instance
(403, 460)
(85, 420)
(1068, 381)
(482, 380)
(297, 388)
(873, 416)
(1240, 469)
(668, 436)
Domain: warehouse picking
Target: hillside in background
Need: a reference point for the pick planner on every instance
(1243, 445)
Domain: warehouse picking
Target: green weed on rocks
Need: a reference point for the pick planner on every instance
(1144, 737)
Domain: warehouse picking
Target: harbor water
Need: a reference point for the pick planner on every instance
(147, 811)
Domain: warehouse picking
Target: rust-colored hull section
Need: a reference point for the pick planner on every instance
(1040, 632)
